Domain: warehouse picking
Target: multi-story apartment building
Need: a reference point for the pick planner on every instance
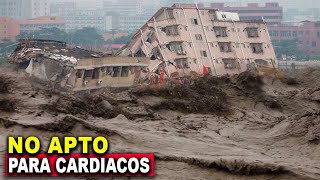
(24, 9)
(190, 39)
(8, 29)
(271, 13)
(306, 33)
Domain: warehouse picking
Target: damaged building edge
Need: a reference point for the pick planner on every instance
(75, 69)
(189, 40)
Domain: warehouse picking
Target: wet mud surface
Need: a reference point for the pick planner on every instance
(247, 126)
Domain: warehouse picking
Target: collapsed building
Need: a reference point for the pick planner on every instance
(76, 69)
(185, 40)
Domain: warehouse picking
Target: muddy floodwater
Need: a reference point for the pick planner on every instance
(247, 126)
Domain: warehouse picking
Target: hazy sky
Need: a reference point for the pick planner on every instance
(300, 4)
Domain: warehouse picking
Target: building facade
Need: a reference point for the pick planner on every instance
(307, 35)
(76, 18)
(24, 9)
(271, 13)
(36, 24)
(8, 29)
(192, 40)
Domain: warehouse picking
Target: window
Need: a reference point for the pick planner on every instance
(256, 48)
(314, 44)
(318, 33)
(182, 63)
(261, 63)
(295, 34)
(125, 72)
(194, 21)
(229, 63)
(212, 14)
(170, 13)
(88, 74)
(199, 37)
(171, 30)
(285, 33)
(116, 72)
(79, 73)
(224, 46)
(203, 53)
(220, 31)
(252, 32)
(177, 48)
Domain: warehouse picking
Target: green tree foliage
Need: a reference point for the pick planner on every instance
(87, 36)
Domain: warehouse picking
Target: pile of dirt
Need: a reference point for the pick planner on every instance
(249, 82)
(5, 84)
(89, 105)
(306, 125)
(203, 96)
(7, 105)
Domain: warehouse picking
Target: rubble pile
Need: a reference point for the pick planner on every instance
(29, 50)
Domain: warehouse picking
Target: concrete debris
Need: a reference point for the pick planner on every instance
(76, 69)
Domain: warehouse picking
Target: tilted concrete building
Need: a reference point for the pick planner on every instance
(188, 40)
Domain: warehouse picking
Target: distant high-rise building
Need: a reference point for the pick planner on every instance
(24, 9)
(129, 7)
(171, 2)
(272, 13)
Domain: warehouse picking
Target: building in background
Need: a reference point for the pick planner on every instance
(8, 29)
(12, 28)
(306, 33)
(36, 24)
(272, 13)
(192, 40)
(62, 8)
(76, 18)
(171, 2)
(24, 9)
(128, 16)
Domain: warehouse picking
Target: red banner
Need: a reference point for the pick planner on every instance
(79, 165)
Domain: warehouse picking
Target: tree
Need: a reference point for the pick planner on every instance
(87, 36)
